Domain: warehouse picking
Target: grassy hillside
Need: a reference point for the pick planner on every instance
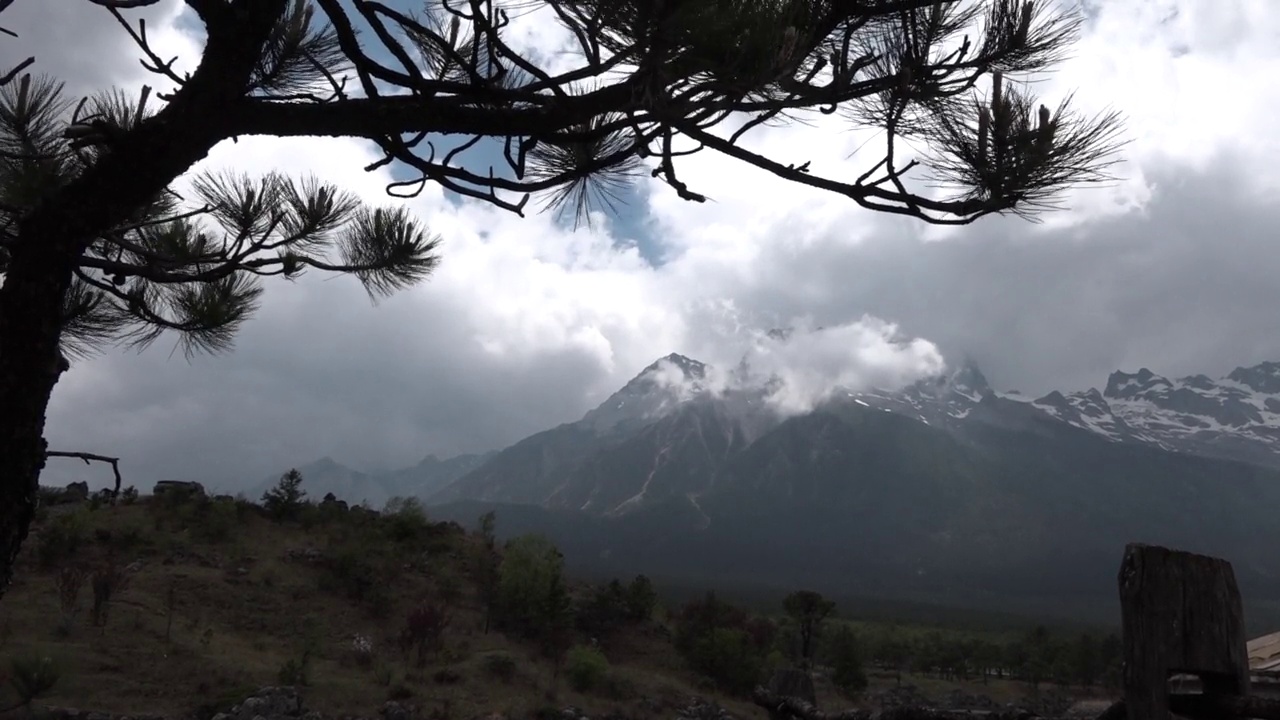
(181, 605)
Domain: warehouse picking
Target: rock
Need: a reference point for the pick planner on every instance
(331, 501)
(76, 492)
(307, 555)
(392, 710)
(179, 488)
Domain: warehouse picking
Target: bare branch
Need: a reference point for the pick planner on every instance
(88, 457)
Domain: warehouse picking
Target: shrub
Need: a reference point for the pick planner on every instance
(62, 538)
(617, 687)
(586, 667)
(501, 666)
(129, 495)
(729, 658)
(222, 702)
(640, 599)
(405, 520)
(294, 672)
(46, 496)
(214, 521)
(31, 676)
(424, 630)
(107, 582)
(70, 580)
(349, 572)
(846, 662)
(446, 676)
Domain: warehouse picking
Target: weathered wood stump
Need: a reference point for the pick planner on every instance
(1180, 613)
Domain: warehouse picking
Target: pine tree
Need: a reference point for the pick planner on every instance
(96, 248)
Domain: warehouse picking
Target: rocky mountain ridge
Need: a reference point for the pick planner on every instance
(1236, 417)
(677, 398)
(942, 491)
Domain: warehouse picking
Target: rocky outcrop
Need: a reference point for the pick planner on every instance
(183, 488)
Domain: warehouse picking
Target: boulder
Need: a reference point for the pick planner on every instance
(76, 492)
(181, 488)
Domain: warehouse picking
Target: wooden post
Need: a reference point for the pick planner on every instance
(1180, 613)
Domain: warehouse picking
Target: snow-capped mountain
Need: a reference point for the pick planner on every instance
(937, 489)
(1236, 417)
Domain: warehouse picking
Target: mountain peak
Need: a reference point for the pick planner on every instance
(968, 376)
(692, 369)
(1263, 377)
(651, 393)
(1123, 385)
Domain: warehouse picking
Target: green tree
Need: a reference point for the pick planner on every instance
(586, 667)
(641, 599)
(96, 248)
(284, 501)
(892, 651)
(532, 597)
(486, 567)
(726, 656)
(846, 662)
(808, 609)
(1085, 660)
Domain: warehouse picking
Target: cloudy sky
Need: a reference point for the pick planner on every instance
(528, 324)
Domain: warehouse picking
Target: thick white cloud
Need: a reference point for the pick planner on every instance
(526, 324)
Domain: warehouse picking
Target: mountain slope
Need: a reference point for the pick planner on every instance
(664, 435)
(942, 490)
(327, 475)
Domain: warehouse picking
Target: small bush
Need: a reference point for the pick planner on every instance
(294, 672)
(405, 520)
(214, 521)
(129, 495)
(70, 580)
(446, 676)
(501, 666)
(62, 538)
(424, 630)
(46, 496)
(617, 687)
(107, 582)
(586, 667)
(349, 572)
(223, 702)
(31, 676)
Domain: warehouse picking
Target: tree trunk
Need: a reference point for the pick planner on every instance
(53, 235)
(30, 327)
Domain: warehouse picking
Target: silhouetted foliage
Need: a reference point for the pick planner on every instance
(809, 610)
(285, 500)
